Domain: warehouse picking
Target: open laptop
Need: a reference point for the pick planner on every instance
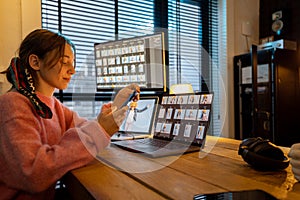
(139, 120)
(180, 126)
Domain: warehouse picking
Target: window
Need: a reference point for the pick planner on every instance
(193, 41)
(137, 15)
(193, 47)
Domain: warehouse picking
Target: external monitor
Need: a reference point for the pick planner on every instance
(138, 60)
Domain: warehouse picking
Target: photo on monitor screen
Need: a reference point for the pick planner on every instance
(138, 60)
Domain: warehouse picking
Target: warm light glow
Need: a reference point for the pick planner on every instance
(181, 88)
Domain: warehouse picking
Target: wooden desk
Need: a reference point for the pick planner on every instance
(217, 168)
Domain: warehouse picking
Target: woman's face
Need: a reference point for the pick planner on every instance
(59, 75)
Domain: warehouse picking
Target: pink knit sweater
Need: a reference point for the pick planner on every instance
(36, 152)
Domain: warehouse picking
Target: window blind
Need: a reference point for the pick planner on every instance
(193, 47)
(135, 18)
(87, 22)
(193, 35)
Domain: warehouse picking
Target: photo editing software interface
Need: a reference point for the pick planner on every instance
(184, 117)
(139, 118)
(138, 60)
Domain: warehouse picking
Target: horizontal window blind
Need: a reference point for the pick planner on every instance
(85, 22)
(135, 18)
(184, 43)
(193, 35)
(193, 47)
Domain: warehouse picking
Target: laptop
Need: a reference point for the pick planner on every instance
(180, 126)
(139, 120)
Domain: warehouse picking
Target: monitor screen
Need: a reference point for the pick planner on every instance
(184, 117)
(138, 60)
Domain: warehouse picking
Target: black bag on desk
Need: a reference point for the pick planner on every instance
(262, 154)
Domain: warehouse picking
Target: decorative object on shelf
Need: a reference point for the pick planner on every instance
(277, 24)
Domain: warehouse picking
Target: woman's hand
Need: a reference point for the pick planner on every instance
(110, 118)
(294, 155)
(112, 115)
(124, 94)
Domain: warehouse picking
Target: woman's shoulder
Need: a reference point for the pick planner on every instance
(14, 101)
(13, 104)
(13, 97)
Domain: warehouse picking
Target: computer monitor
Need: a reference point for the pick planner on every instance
(138, 60)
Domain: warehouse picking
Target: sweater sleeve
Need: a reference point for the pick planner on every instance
(92, 135)
(35, 152)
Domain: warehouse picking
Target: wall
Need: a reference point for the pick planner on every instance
(246, 14)
(239, 12)
(17, 19)
(27, 16)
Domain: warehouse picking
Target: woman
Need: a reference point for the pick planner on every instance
(40, 138)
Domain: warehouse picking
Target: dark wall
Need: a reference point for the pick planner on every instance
(291, 19)
(287, 79)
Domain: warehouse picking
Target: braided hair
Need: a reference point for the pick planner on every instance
(23, 78)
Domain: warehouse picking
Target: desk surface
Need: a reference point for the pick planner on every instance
(217, 168)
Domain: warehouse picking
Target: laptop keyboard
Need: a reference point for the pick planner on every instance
(163, 143)
(156, 143)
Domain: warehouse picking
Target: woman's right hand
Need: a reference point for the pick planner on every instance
(110, 118)
(124, 93)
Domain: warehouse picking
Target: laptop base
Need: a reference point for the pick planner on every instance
(169, 149)
(127, 136)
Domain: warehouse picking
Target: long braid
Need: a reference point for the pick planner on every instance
(23, 82)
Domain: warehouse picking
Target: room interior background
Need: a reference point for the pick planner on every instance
(254, 14)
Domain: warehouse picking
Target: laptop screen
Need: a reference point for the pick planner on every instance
(184, 117)
(140, 116)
